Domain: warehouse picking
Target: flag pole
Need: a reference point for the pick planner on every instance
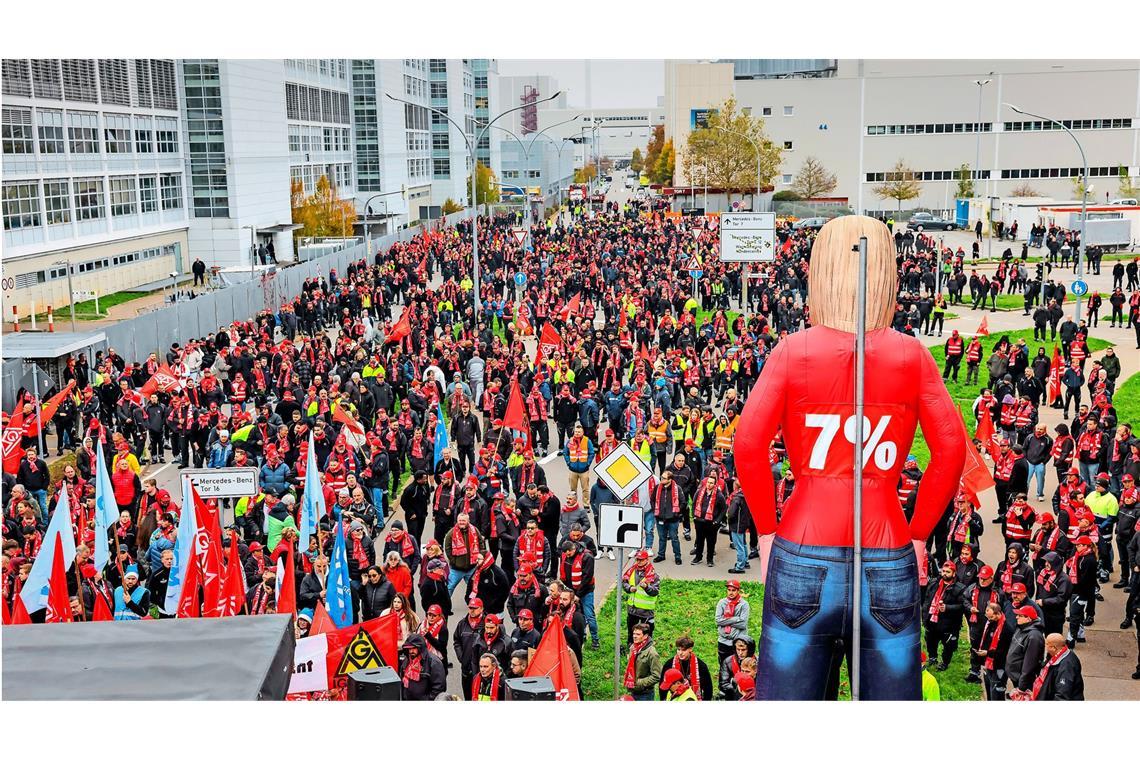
(860, 436)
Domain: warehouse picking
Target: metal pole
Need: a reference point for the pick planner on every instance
(71, 296)
(978, 139)
(860, 434)
(39, 408)
(617, 626)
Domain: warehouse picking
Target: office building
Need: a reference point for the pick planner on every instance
(94, 178)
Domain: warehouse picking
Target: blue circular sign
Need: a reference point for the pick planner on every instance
(1079, 287)
(520, 279)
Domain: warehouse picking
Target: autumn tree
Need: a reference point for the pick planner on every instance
(665, 165)
(653, 149)
(722, 155)
(813, 179)
(486, 184)
(1025, 191)
(965, 182)
(1127, 188)
(324, 213)
(585, 174)
(450, 206)
(636, 162)
(900, 184)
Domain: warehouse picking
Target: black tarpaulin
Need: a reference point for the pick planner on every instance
(234, 658)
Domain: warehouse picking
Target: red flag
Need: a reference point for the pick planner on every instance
(188, 600)
(20, 614)
(58, 602)
(984, 327)
(351, 430)
(975, 475)
(287, 601)
(14, 431)
(322, 623)
(985, 434)
(102, 613)
(1056, 368)
(208, 552)
(522, 324)
(162, 380)
(552, 659)
(515, 417)
(233, 589)
(549, 342)
(402, 328)
(368, 645)
(572, 308)
(50, 407)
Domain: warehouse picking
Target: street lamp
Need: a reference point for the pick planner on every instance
(70, 292)
(474, 165)
(252, 248)
(981, 83)
(526, 162)
(1084, 194)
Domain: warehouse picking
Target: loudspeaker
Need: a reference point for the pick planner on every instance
(538, 689)
(375, 685)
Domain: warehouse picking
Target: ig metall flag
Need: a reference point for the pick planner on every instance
(106, 509)
(338, 590)
(183, 549)
(313, 502)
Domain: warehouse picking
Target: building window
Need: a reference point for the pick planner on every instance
(166, 135)
(123, 196)
(786, 179)
(766, 111)
(533, 173)
(79, 80)
(83, 131)
(117, 133)
(164, 83)
(439, 141)
(439, 89)
(57, 201)
(437, 65)
(441, 168)
(89, 199)
(45, 78)
(328, 135)
(789, 110)
(788, 145)
(50, 131)
(171, 191)
(144, 135)
(148, 194)
(114, 81)
(17, 131)
(294, 138)
(21, 205)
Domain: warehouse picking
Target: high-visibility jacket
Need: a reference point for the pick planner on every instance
(931, 692)
(1008, 414)
(1015, 529)
(974, 352)
(1102, 504)
(679, 426)
(658, 433)
(579, 451)
(643, 451)
(640, 598)
(122, 611)
(1023, 416)
(954, 347)
(686, 696)
(725, 434)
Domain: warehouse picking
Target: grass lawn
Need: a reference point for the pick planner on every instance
(1127, 401)
(706, 315)
(85, 310)
(687, 607)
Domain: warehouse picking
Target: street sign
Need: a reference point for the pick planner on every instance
(221, 483)
(620, 525)
(623, 471)
(520, 279)
(1079, 287)
(748, 236)
(696, 274)
(519, 233)
(697, 232)
(83, 295)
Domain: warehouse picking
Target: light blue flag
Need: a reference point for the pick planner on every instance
(313, 501)
(106, 509)
(183, 549)
(338, 589)
(35, 591)
(441, 441)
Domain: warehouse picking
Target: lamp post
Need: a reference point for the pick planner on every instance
(368, 211)
(526, 162)
(1084, 195)
(70, 292)
(981, 83)
(252, 248)
(474, 166)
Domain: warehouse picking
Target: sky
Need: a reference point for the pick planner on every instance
(614, 83)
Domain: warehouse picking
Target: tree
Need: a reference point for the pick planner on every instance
(900, 184)
(662, 173)
(585, 175)
(653, 149)
(324, 213)
(1127, 188)
(725, 159)
(786, 196)
(450, 206)
(1025, 191)
(636, 162)
(1079, 186)
(486, 184)
(965, 182)
(813, 179)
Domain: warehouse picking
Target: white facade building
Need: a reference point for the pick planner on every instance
(93, 177)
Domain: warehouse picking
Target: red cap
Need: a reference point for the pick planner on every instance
(472, 482)
(690, 442)
(492, 619)
(949, 564)
(732, 584)
(1018, 588)
(1026, 611)
(641, 554)
(986, 572)
(672, 676)
(1045, 517)
(1083, 541)
(526, 614)
(435, 609)
(476, 602)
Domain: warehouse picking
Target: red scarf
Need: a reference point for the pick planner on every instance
(694, 673)
(358, 552)
(1007, 576)
(417, 449)
(1071, 568)
(630, 665)
(477, 685)
(942, 584)
(675, 491)
(462, 544)
(961, 523)
(707, 498)
(413, 669)
(567, 615)
(1047, 577)
(407, 549)
(575, 570)
(439, 494)
(729, 611)
(994, 639)
(1040, 681)
(535, 545)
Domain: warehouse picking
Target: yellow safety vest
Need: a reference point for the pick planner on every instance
(686, 696)
(644, 452)
(640, 598)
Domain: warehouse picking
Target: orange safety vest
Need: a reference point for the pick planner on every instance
(725, 434)
(974, 352)
(579, 452)
(659, 433)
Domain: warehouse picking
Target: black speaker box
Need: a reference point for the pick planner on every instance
(374, 685)
(539, 689)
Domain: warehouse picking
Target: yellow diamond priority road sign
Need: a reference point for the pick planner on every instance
(623, 471)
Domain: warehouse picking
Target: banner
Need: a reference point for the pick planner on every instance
(360, 647)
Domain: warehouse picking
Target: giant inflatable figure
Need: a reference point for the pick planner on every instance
(807, 390)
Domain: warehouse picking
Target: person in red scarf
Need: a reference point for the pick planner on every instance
(527, 594)
(533, 543)
(1060, 679)
(468, 631)
(942, 615)
(423, 675)
(692, 669)
(1081, 568)
(966, 525)
(434, 630)
(361, 551)
(464, 548)
(487, 684)
(990, 650)
(404, 544)
(643, 668)
(709, 508)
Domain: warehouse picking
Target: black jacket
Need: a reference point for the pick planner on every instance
(1063, 682)
(374, 599)
(949, 619)
(738, 518)
(433, 676)
(1026, 649)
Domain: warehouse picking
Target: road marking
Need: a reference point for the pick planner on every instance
(548, 458)
(160, 469)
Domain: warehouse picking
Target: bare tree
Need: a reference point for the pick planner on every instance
(900, 184)
(813, 179)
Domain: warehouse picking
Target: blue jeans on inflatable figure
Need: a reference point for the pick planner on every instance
(807, 623)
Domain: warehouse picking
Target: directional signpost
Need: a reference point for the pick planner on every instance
(748, 237)
(225, 483)
(621, 525)
(520, 279)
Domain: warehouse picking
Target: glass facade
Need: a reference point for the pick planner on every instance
(205, 139)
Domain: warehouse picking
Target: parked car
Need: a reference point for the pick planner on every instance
(928, 221)
(811, 223)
